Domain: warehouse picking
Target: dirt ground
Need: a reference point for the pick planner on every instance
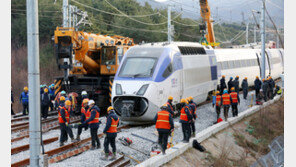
(240, 144)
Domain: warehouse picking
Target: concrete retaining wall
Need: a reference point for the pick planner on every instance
(201, 136)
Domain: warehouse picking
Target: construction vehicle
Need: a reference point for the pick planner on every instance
(206, 29)
(89, 61)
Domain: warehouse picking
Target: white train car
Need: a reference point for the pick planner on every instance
(149, 73)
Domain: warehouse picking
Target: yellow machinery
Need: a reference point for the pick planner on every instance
(207, 28)
(89, 61)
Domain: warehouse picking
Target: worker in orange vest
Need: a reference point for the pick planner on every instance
(111, 133)
(193, 107)
(218, 104)
(170, 106)
(226, 101)
(164, 124)
(234, 102)
(84, 109)
(64, 120)
(185, 120)
(93, 113)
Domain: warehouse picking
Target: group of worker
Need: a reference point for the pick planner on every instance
(234, 83)
(90, 114)
(165, 125)
(46, 98)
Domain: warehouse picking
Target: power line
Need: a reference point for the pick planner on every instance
(39, 11)
(275, 5)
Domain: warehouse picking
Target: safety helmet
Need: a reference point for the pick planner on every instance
(183, 101)
(269, 77)
(85, 101)
(25, 88)
(45, 90)
(246, 78)
(62, 98)
(170, 98)
(84, 93)
(68, 102)
(190, 97)
(91, 102)
(231, 78)
(263, 79)
(223, 76)
(217, 92)
(257, 77)
(110, 108)
(237, 76)
(52, 85)
(232, 88)
(63, 92)
(225, 91)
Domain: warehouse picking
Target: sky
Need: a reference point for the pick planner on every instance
(225, 10)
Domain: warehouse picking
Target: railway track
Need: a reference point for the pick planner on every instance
(24, 124)
(45, 128)
(119, 162)
(65, 151)
(26, 117)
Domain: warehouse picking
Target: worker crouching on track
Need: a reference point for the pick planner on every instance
(234, 102)
(193, 107)
(185, 120)
(226, 101)
(93, 113)
(164, 124)
(111, 133)
(64, 120)
(84, 109)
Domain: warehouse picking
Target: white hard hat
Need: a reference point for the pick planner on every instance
(91, 102)
(84, 93)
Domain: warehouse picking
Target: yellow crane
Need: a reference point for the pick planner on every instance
(207, 28)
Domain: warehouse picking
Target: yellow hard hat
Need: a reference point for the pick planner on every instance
(62, 98)
(170, 98)
(246, 78)
(217, 92)
(85, 101)
(68, 102)
(257, 77)
(110, 108)
(263, 79)
(190, 97)
(183, 101)
(45, 90)
(223, 76)
(237, 76)
(25, 88)
(269, 77)
(232, 88)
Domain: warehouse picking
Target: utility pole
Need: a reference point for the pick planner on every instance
(34, 81)
(66, 24)
(255, 33)
(169, 25)
(247, 32)
(277, 40)
(263, 40)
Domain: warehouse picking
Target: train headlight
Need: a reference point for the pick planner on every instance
(142, 90)
(118, 89)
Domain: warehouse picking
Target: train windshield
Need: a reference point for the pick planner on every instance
(138, 67)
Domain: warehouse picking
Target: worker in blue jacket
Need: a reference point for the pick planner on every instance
(93, 113)
(25, 101)
(185, 120)
(51, 92)
(111, 132)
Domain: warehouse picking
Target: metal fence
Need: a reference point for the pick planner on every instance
(275, 158)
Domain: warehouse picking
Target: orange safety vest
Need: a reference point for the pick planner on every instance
(113, 127)
(96, 119)
(234, 97)
(83, 111)
(218, 100)
(183, 115)
(163, 120)
(171, 107)
(67, 115)
(226, 99)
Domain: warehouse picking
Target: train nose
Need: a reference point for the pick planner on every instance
(130, 106)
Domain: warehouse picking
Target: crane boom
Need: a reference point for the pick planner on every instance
(205, 13)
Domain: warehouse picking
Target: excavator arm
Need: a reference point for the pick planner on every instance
(205, 13)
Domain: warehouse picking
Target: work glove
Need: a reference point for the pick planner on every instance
(66, 123)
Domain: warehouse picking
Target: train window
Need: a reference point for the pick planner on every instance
(248, 62)
(225, 65)
(168, 71)
(243, 63)
(231, 64)
(237, 64)
(191, 50)
(219, 65)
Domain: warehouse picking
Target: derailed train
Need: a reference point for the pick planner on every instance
(149, 73)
